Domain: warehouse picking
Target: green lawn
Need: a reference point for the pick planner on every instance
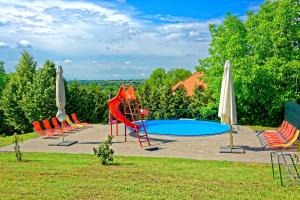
(9, 139)
(258, 128)
(67, 176)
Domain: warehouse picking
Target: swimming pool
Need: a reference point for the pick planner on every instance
(185, 127)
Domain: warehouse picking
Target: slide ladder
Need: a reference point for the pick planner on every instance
(137, 115)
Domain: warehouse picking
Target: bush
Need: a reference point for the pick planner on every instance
(88, 101)
(105, 152)
(17, 140)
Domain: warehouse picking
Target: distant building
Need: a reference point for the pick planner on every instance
(190, 84)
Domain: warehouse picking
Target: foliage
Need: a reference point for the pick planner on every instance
(3, 77)
(202, 106)
(17, 148)
(178, 74)
(39, 103)
(105, 152)
(264, 52)
(156, 94)
(87, 101)
(136, 178)
(4, 128)
(15, 91)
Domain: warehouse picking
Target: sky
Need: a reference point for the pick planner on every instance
(116, 39)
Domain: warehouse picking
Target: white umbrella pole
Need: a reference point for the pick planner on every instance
(62, 132)
(230, 136)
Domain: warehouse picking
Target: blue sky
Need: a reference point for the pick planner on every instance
(120, 39)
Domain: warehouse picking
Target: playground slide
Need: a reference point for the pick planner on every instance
(114, 107)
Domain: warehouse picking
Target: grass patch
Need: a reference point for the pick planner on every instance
(7, 140)
(71, 176)
(258, 128)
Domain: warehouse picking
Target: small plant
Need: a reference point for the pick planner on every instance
(104, 151)
(17, 140)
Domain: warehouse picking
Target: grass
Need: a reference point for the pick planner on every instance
(258, 128)
(7, 140)
(73, 176)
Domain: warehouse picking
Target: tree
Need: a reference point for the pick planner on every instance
(15, 91)
(89, 102)
(4, 129)
(179, 103)
(39, 103)
(156, 93)
(179, 74)
(264, 52)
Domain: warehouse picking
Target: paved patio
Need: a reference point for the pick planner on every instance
(202, 148)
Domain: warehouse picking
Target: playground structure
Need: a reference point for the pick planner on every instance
(132, 113)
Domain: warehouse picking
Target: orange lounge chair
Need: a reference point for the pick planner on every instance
(46, 134)
(280, 139)
(48, 127)
(269, 135)
(279, 130)
(287, 144)
(284, 136)
(75, 119)
(71, 127)
(67, 129)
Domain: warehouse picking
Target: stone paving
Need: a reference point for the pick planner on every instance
(201, 147)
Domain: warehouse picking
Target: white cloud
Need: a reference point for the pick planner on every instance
(4, 45)
(23, 44)
(127, 62)
(68, 61)
(82, 30)
(169, 18)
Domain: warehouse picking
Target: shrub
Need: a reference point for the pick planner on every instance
(17, 140)
(105, 152)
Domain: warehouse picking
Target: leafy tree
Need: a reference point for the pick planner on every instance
(179, 103)
(4, 129)
(202, 105)
(3, 77)
(264, 52)
(156, 93)
(176, 75)
(39, 103)
(15, 91)
(89, 102)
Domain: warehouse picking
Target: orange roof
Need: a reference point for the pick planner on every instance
(190, 84)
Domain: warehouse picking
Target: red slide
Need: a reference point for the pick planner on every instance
(114, 107)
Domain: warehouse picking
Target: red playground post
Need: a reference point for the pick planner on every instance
(113, 121)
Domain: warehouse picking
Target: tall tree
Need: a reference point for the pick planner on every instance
(179, 74)
(4, 129)
(264, 51)
(16, 90)
(39, 103)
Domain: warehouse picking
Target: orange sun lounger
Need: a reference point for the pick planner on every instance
(58, 127)
(48, 127)
(75, 119)
(286, 135)
(45, 133)
(72, 127)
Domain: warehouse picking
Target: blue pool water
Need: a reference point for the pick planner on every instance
(185, 127)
